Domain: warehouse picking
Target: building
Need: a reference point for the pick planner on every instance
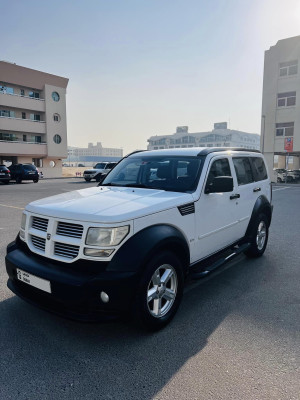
(220, 136)
(280, 124)
(33, 125)
(92, 154)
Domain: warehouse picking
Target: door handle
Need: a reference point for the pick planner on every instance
(258, 189)
(234, 196)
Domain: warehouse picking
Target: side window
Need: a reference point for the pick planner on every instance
(219, 167)
(243, 170)
(259, 168)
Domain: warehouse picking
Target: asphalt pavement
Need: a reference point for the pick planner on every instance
(236, 335)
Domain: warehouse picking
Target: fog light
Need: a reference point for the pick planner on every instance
(98, 252)
(104, 297)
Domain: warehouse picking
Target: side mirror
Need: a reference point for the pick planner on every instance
(219, 184)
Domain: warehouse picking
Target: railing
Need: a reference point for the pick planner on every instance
(20, 95)
(22, 119)
(21, 141)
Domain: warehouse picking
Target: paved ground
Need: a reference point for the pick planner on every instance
(236, 335)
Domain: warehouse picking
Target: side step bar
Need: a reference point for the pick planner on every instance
(217, 263)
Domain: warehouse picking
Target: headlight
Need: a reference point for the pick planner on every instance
(23, 222)
(106, 236)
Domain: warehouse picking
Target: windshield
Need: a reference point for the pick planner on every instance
(172, 173)
(100, 166)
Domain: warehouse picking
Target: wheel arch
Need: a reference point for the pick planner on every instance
(141, 247)
(261, 206)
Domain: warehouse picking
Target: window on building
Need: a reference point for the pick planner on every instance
(24, 138)
(8, 136)
(6, 90)
(57, 139)
(7, 113)
(23, 115)
(288, 68)
(22, 92)
(286, 99)
(55, 96)
(56, 117)
(37, 139)
(285, 129)
(38, 162)
(34, 95)
(35, 117)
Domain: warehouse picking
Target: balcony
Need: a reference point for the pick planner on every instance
(22, 102)
(12, 148)
(22, 125)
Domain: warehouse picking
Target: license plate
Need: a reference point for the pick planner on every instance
(33, 280)
(2, 173)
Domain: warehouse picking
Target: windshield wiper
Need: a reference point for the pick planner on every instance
(137, 185)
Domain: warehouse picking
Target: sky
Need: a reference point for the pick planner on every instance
(139, 68)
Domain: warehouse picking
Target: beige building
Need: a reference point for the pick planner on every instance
(96, 150)
(280, 125)
(220, 136)
(33, 127)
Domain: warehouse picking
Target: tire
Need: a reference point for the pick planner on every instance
(6, 182)
(35, 181)
(279, 180)
(98, 178)
(87, 179)
(18, 180)
(158, 299)
(259, 237)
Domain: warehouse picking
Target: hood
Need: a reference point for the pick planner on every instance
(108, 204)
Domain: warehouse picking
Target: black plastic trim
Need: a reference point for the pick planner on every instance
(210, 150)
(262, 205)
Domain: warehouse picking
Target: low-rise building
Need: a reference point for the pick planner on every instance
(32, 118)
(92, 153)
(220, 136)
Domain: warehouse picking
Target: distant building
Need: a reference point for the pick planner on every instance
(280, 125)
(93, 153)
(220, 136)
(32, 118)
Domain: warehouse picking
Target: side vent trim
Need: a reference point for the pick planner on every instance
(187, 209)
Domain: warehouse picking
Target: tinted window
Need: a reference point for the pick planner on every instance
(29, 167)
(259, 168)
(219, 168)
(243, 170)
(170, 173)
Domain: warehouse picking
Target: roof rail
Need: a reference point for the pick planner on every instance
(133, 152)
(209, 150)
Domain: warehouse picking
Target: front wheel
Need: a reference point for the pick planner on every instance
(259, 237)
(160, 291)
(18, 180)
(87, 179)
(98, 177)
(35, 181)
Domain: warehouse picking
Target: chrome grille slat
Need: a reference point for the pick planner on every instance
(67, 229)
(40, 224)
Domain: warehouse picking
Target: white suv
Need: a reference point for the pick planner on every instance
(128, 245)
(99, 171)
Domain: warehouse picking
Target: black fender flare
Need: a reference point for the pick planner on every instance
(139, 249)
(262, 205)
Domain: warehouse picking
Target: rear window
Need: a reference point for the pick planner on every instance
(29, 167)
(258, 168)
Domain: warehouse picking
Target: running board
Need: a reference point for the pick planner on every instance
(218, 263)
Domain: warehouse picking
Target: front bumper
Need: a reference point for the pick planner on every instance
(75, 288)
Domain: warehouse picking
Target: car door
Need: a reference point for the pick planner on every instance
(215, 213)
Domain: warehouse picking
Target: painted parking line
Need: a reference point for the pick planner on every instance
(5, 205)
(276, 190)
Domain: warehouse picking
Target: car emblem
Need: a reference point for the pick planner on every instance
(48, 236)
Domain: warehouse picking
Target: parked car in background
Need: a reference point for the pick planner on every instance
(99, 171)
(24, 172)
(4, 174)
(289, 176)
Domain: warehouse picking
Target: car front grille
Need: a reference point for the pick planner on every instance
(40, 224)
(70, 230)
(38, 242)
(65, 250)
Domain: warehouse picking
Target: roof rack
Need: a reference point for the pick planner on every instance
(136, 151)
(209, 150)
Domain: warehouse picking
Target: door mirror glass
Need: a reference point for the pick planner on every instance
(220, 184)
